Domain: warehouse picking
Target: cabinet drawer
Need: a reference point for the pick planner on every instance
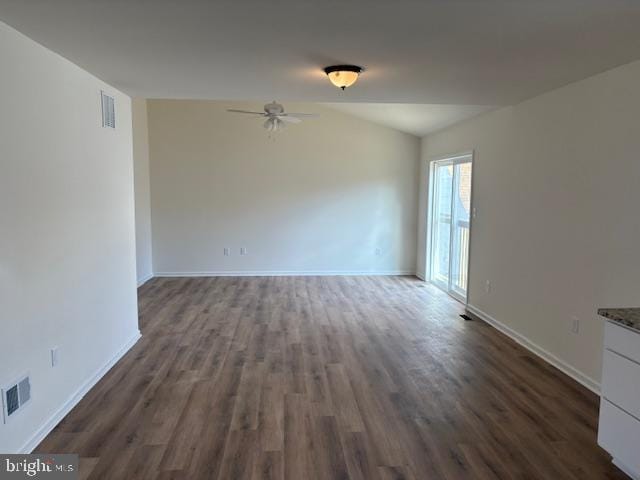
(622, 340)
(618, 434)
(621, 382)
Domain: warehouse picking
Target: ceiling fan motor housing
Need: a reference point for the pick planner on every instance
(274, 108)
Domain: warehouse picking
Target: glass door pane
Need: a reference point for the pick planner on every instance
(449, 225)
(441, 224)
(461, 212)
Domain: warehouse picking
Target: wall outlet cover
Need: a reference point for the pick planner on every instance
(55, 356)
(575, 325)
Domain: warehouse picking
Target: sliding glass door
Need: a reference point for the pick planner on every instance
(449, 224)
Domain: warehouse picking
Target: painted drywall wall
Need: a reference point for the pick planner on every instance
(67, 248)
(334, 194)
(144, 265)
(423, 216)
(557, 231)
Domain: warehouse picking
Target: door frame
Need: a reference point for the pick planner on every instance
(455, 158)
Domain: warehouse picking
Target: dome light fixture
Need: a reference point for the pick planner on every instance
(343, 76)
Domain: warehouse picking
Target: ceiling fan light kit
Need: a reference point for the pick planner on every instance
(343, 76)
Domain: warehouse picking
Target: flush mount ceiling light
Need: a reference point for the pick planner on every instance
(343, 76)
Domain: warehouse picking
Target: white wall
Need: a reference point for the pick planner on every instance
(144, 265)
(67, 248)
(423, 201)
(320, 197)
(556, 189)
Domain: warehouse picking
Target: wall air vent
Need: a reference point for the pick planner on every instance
(15, 396)
(108, 111)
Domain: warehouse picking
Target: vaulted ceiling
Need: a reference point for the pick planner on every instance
(445, 52)
(416, 119)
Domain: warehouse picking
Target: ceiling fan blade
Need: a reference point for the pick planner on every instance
(302, 115)
(288, 118)
(245, 111)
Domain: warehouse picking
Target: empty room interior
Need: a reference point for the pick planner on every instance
(320, 240)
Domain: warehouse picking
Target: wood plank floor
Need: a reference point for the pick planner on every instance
(362, 378)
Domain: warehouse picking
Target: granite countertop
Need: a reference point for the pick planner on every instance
(629, 317)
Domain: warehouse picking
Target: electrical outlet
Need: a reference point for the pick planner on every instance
(227, 251)
(487, 286)
(575, 324)
(55, 356)
(378, 252)
(243, 251)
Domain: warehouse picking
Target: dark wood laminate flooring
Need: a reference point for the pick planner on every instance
(314, 378)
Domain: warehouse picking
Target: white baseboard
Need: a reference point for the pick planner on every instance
(284, 273)
(145, 279)
(57, 417)
(630, 473)
(549, 357)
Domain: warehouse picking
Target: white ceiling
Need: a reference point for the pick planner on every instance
(449, 56)
(416, 119)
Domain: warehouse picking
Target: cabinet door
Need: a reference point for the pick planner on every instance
(621, 383)
(618, 434)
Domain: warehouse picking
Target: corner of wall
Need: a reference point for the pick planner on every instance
(421, 234)
(142, 190)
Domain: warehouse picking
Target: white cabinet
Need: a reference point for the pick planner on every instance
(619, 425)
(619, 434)
(621, 383)
(622, 340)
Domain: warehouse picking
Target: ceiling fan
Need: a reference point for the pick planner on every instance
(276, 117)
